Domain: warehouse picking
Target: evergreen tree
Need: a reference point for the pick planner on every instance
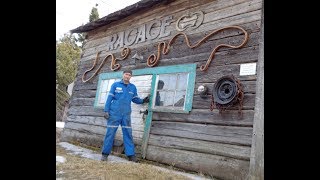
(94, 15)
(67, 60)
(81, 39)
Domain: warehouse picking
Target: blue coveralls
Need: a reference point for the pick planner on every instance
(118, 105)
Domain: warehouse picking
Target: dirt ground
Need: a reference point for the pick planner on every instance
(77, 167)
(75, 162)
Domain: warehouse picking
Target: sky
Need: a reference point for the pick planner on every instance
(71, 14)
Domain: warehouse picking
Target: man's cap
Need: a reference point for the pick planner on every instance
(127, 71)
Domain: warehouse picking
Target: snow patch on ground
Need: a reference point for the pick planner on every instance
(87, 153)
(60, 159)
(59, 124)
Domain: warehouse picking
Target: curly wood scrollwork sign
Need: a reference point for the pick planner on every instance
(153, 59)
(124, 54)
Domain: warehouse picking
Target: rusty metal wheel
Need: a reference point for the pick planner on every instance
(225, 90)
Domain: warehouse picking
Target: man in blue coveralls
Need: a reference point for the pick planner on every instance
(118, 112)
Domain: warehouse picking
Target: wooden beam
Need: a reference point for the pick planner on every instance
(146, 133)
(256, 169)
(218, 167)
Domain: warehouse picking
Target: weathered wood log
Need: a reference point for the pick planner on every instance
(205, 116)
(100, 131)
(227, 150)
(74, 136)
(216, 72)
(200, 103)
(82, 101)
(90, 120)
(220, 167)
(221, 58)
(237, 20)
(89, 129)
(71, 135)
(214, 133)
(248, 87)
(200, 112)
(88, 85)
(99, 111)
(87, 93)
(100, 121)
(85, 111)
(236, 9)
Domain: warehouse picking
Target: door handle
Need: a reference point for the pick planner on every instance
(145, 112)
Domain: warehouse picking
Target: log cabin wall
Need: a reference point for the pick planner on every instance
(213, 143)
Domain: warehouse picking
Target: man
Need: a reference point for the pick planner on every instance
(118, 112)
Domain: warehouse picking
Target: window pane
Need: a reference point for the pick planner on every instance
(102, 98)
(171, 90)
(167, 98)
(111, 81)
(179, 98)
(104, 86)
(169, 81)
(182, 82)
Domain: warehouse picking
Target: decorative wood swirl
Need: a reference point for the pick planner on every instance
(153, 59)
(124, 54)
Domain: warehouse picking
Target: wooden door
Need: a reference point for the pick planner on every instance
(138, 119)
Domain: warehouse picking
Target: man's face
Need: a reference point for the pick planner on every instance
(126, 77)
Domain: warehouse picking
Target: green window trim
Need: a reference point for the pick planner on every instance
(183, 68)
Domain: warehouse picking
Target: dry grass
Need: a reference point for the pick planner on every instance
(77, 167)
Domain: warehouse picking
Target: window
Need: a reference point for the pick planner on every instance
(171, 90)
(104, 84)
(172, 87)
(104, 90)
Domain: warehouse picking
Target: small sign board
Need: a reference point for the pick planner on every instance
(248, 69)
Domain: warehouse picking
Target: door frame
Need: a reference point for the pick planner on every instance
(190, 68)
(154, 71)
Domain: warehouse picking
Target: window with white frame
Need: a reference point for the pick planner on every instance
(171, 91)
(171, 88)
(105, 88)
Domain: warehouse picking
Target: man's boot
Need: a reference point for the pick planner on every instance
(104, 157)
(133, 158)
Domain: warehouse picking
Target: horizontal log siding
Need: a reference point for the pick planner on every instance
(220, 167)
(210, 142)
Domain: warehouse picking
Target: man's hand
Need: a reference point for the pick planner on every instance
(106, 115)
(146, 99)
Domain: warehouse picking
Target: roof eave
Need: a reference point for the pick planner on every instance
(115, 16)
